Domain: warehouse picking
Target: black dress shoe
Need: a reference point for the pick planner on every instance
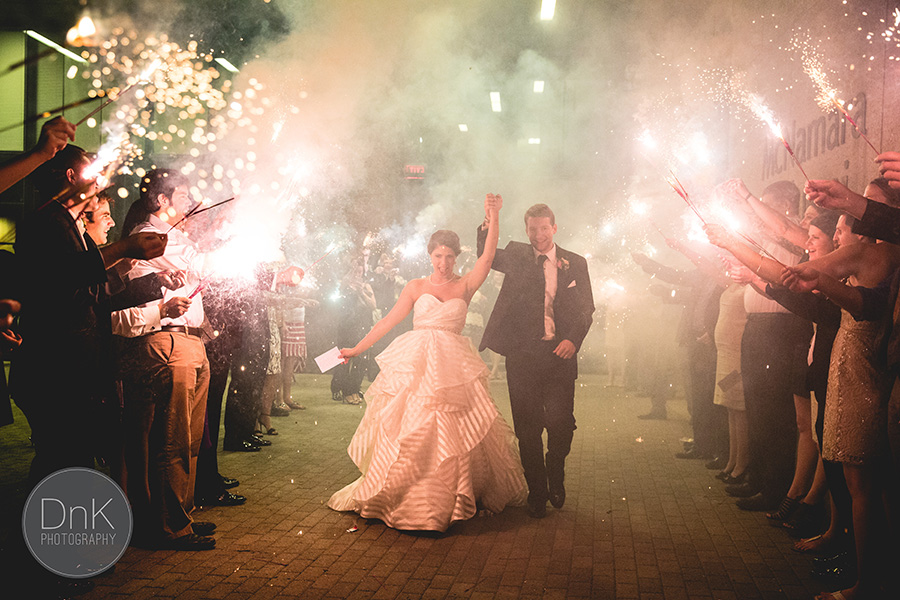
(717, 463)
(735, 480)
(537, 510)
(241, 447)
(694, 453)
(557, 496)
(258, 441)
(653, 416)
(757, 502)
(741, 490)
(723, 475)
(229, 482)
(204, 528)
(191, 541)
(226, 499)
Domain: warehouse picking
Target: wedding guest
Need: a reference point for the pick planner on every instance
(700, 291)
(774, 343)
(66, 312)
(9, 339)
(223, 314)
(293, 344)
(729, 384)
(165, 375)
(357, 304)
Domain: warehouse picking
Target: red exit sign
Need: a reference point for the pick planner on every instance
(414, 171)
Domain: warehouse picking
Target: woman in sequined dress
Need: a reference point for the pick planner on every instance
(855, 432)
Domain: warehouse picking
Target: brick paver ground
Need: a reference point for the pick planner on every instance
(637, 524)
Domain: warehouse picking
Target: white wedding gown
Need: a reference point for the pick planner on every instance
(432, 447)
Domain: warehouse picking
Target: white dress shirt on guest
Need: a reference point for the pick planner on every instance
(180, 255)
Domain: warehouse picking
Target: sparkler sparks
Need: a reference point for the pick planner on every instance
(764, 114)
(827, 94)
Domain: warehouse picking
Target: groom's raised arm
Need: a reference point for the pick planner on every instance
(501, 258)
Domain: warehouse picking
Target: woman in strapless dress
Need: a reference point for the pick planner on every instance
(432, 448)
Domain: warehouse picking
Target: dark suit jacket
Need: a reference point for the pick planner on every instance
(64, 322)
(517, 321)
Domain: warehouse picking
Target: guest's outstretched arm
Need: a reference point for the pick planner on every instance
(55, 134)
(777, 223)
(764, 267)
(802, 278)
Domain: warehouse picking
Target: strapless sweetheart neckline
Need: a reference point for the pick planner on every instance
(438, 299)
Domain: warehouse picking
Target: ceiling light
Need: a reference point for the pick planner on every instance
(538, 87)
(227, 65)
(548, 7)
(495, 101)
(534, 140)
(48, 42)
(463, 127)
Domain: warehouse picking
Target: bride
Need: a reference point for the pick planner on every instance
(432, 447)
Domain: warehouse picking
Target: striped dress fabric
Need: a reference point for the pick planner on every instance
(432, 448)
(293, 335)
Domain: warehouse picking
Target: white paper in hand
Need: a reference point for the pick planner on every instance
(329, 360)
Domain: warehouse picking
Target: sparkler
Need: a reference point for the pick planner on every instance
(109, 101)
(200, 287)
(814, 67)
(847, 116)
(318, 260)
(755, 104)
(679, 189)
(194, 212)
(28, 60)
(759, 247)
(49, 113)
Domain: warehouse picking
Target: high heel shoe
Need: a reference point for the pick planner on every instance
(785, 510)
(735, 480)
(723, 475)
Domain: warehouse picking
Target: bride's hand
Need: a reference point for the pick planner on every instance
(492, 204)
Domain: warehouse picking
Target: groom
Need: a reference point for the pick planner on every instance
(538, 323)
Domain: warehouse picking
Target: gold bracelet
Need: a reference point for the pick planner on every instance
(760, 264)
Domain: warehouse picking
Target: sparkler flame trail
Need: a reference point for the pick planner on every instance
(764, 114)
(827, 96)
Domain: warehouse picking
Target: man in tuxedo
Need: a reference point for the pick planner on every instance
(540, 319)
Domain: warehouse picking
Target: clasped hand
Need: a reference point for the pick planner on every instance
(800, 278)
(492, 204)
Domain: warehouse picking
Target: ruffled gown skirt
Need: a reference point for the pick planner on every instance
(432, 447)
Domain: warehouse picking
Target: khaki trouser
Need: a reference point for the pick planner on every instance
(165, 381)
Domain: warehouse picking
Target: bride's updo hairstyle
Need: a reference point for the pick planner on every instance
(444, 237)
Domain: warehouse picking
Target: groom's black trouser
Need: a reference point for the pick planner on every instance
(542, 396)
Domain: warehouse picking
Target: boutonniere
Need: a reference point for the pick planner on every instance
(562, 264)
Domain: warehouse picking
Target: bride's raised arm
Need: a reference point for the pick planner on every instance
(474, 279)
(397, 313)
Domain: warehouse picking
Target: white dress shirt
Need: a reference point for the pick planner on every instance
(180, 255)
